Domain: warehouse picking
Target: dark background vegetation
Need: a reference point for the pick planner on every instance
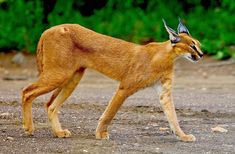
(210, 21)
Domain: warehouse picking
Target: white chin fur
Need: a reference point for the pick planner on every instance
(189, 57)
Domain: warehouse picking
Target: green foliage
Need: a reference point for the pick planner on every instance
(20, 24)
(214, 29)
(63, 13)
(140, 21)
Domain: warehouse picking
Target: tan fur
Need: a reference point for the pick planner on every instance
(65, 51)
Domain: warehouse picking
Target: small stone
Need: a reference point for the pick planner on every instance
(219, 129)
(163, 128)
(157, 149)
(204, 88)
(205, 75)
(154, 124)
(146, 128)
(85, 151)
(10, 138)
(5, 115)
(6, 72)
(189, 113)
(114, 130)
(19, 59)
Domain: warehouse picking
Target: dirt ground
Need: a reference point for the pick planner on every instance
(204, 95)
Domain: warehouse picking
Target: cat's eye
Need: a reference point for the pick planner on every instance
(193, 47)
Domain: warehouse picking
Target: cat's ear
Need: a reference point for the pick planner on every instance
(173, 36)
(182, 28)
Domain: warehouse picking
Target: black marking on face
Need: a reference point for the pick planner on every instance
(195, 49)
(193, 57)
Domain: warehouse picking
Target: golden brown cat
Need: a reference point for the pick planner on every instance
(65, 51)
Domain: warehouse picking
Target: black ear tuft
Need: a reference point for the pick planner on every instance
(182, 28)
(174, 37)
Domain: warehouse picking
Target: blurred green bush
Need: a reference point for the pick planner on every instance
(20, 24)
(211, 22)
